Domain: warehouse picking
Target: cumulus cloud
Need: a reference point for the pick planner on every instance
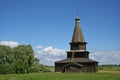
(49, 55)
(12, 44)
(106, 57)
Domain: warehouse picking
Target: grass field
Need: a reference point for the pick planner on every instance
(101, 75)
(108, 73)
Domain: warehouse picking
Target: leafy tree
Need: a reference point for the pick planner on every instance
(6, 56)
(24, 58)
(20, 59)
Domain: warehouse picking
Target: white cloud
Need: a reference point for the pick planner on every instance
(106, 57)
(12, 44)
(51, 51)
(49, 55)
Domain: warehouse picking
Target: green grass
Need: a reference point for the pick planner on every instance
(101, 75)
(107, 73)
(111, 68)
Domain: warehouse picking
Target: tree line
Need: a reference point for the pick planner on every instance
(19, 59)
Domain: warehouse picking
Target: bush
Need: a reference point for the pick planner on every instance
(39, 68)
(100, 68)
(6, 69)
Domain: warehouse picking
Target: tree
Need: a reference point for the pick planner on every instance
(6, 58)
(5, 55)
(24, 57)
(19, 59)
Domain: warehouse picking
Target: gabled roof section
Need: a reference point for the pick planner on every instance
(77, 35)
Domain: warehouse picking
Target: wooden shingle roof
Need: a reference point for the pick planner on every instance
(77, 34)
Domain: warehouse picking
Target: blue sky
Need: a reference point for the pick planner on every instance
(50, 23)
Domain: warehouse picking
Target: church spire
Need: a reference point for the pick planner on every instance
(77, 35)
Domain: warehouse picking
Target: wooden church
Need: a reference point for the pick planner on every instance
(77, 57)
